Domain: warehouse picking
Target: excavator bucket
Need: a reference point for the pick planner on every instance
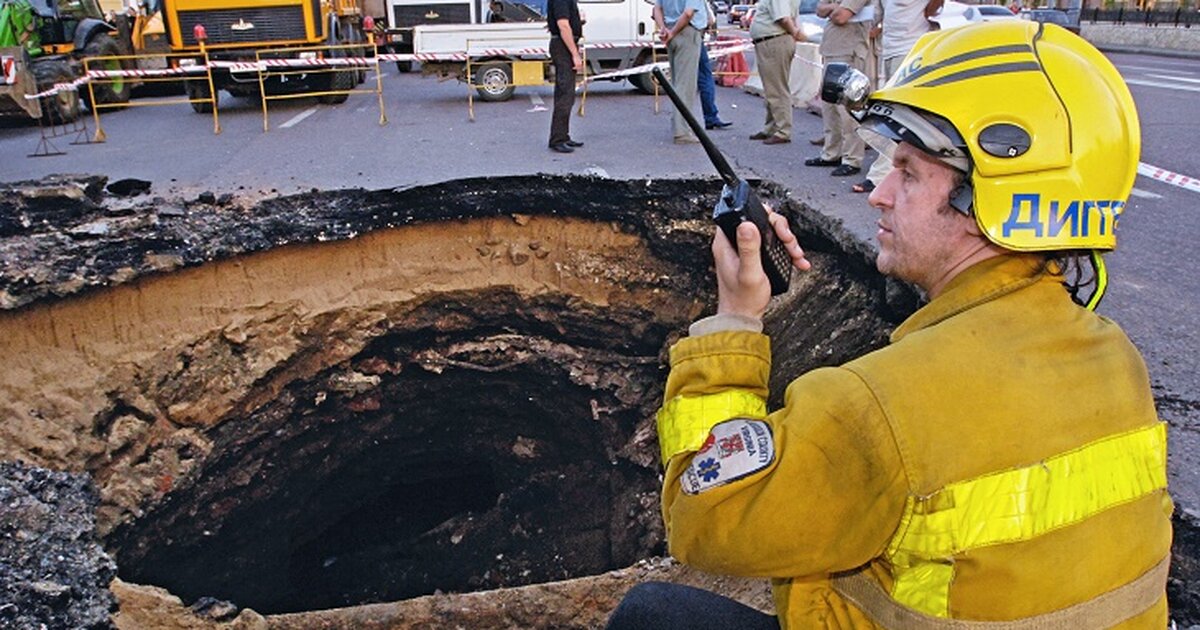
(17, 82)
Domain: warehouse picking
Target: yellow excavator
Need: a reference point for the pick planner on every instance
(44, 43)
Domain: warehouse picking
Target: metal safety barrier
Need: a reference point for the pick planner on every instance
(341, 63)
(502, 68)
(105, 76)
(60, 118)
(527, 67)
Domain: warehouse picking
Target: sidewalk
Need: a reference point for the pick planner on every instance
(1165, 40)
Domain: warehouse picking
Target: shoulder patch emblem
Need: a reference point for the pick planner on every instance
(734, 449)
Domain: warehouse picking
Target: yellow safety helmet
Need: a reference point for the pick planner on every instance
(1041, 122)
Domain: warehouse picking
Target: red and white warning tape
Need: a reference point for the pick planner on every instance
(713, 53)
(161, 72)
(59, 87)
(1163, 175)
(716, 49)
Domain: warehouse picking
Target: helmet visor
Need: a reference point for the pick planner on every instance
(888, 124)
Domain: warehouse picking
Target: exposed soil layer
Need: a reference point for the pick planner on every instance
(358, 396)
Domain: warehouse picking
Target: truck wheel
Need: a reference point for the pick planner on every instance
(199, 90)
(339, 81)
(115, 90)
(644, 82)
(493, 82)
(64, 106)
(404, 66)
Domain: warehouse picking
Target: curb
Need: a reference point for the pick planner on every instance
(1158, 52)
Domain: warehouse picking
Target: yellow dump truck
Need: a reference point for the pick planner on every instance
(235, 30)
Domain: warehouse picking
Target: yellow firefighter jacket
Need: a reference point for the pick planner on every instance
(1001, 459)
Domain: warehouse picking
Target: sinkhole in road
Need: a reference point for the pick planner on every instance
(377, 395)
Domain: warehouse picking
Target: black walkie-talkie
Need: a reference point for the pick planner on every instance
(738, 203)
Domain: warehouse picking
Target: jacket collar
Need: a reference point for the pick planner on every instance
(980, 283)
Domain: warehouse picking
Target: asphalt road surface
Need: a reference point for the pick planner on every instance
(429, 138)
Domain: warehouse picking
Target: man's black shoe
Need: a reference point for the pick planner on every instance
(720, 124)
(562, 147)
(573, 143)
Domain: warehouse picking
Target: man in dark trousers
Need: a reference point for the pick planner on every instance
(562, 18)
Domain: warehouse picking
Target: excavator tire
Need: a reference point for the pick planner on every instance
(64, 106)
(107, 92)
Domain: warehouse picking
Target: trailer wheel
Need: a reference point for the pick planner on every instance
(493, 82)
(643, 82)
(196, 90)
(64, 106)
(115, 90)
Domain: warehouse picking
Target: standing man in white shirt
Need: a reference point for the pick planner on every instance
(904, 22)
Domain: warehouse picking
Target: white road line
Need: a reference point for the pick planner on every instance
(1173, 78)
(295, 120)
(1142, 194)
(383, 75)
(536, 99)
(1169, 177)
(1152, 69)
(1169, 86)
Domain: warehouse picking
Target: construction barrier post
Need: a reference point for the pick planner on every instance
(378, 78)
(470, 86)
(100, 135)
(583, 77)
(212, 90)
(654, 60)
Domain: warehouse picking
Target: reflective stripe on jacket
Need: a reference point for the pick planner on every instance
(1002, 459)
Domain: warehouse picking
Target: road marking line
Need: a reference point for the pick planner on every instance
(1144, 194)
(1163, 175)
(1153, 69)
(1173, 78)
(536, 99)
(383, 75)
(1186, 88)
(295, 120)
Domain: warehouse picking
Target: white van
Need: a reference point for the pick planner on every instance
(618, 34)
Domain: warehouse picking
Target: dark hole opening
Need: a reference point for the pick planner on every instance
(494, 465)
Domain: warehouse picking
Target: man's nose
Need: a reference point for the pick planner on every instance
(881, 197)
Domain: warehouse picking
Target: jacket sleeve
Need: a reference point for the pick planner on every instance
(831, 496)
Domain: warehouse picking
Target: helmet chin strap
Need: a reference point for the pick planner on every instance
(1101, 271)
(963, 196)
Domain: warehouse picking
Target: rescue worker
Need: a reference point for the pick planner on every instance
(1001, 460)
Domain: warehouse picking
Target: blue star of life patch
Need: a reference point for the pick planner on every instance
(734, 450)
(710, 469)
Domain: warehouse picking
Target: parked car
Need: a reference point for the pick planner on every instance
(994, 13)
(747, 18)
(1051, 16)
(812, 26)
(737, 11)
(954, 14)
(721, 6)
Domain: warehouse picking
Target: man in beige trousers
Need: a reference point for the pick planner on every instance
(775, 33)
(846, 40)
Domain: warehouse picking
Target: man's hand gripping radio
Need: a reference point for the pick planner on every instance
(738, 203)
